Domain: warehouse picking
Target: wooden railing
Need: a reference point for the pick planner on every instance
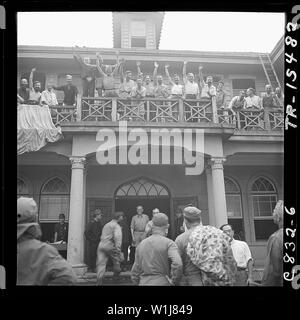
(254, 119)
(167, 110)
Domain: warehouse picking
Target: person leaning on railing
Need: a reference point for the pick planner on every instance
(236, 104)
(48, 96)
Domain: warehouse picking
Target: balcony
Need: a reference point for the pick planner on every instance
(202, 112)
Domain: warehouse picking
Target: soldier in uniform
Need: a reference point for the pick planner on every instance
(38, 263)
(191, 273)
(157, 261)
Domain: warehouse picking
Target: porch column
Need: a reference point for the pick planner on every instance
(76, 217)
(211, 209)
(218, 186)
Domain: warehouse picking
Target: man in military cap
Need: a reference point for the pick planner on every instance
(191, 273)
(153, 256)
(38, 263)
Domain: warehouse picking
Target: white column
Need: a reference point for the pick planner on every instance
(76, 216)
(211, 209)
(218, 186)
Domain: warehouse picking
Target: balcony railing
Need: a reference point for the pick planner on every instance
(167, 110)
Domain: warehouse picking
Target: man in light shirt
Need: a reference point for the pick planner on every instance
(137, 227)
(191, 88)
(177, 88)
(48, 96)
(208, 90)
(149, 225)
(191, 92)
(252, 101)
(242, 256)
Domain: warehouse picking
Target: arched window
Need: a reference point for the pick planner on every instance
(22, 188)
(264, 198)
(141, 188)
(54, 200)
(234, 208)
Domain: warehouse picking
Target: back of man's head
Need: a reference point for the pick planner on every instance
(26, 210)
(192, 214)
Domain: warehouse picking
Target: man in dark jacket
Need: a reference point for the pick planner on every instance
(88, 74)
(38, 263)
(126, 240)
(93, 234)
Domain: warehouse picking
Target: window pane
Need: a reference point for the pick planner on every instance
(233, 205)
(138, 28)
(264, 205)
(262, 185)
(55, 185)
(138, 42)
(243, 83)
(230, 186)
(238, 227)
(52, 206)
(264, 228)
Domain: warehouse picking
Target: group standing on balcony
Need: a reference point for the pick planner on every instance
(112, 81)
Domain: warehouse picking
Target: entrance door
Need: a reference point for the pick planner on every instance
(145, 192)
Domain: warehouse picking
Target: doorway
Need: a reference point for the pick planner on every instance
(128, 205)
(142, 191)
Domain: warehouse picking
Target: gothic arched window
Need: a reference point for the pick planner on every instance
(54, 199)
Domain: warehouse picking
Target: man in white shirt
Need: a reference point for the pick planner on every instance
(252, 101)
(191, 88)
(48, 96)
(177, 88)
(208, 90)
(242, 256)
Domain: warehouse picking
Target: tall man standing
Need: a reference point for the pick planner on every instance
(138, 232)
(157, 261)
(110, 247)
(70, 91)
(93, 235)
(242, 256)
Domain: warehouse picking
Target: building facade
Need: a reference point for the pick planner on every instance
(242, 177)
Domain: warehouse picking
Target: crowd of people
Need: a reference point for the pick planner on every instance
(199, 256)
(104, 80)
